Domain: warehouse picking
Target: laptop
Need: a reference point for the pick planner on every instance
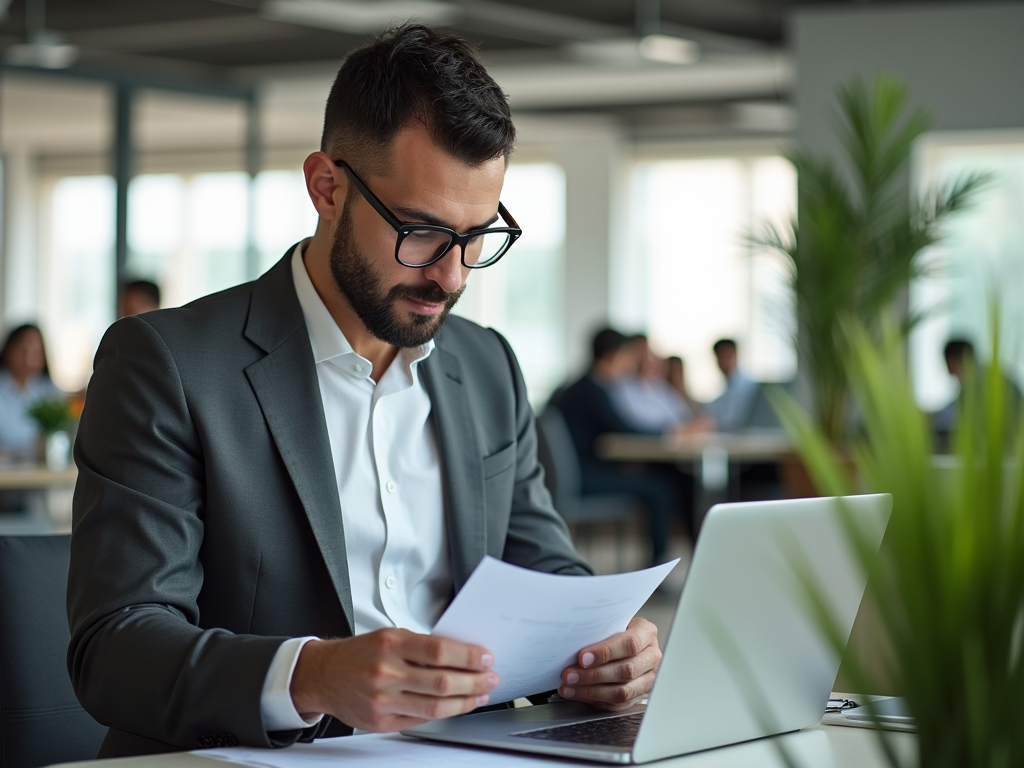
(743, 659)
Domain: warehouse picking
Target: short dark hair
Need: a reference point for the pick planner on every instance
(147, 288)
(958, 349)
(722, 343)
(15, 336)
(607, 341)
(412, 72)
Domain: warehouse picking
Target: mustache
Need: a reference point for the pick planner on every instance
(428, 294)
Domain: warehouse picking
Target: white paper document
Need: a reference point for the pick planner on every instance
(536, 623)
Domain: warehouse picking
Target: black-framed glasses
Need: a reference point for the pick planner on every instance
(420, 245)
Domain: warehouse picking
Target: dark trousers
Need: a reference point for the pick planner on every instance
(666, 492)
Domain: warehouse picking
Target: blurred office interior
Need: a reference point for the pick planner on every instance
(153, 140)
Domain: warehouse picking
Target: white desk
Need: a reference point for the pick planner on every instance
(820, 747)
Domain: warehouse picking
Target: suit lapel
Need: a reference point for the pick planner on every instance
(285, 383)
(461, 468)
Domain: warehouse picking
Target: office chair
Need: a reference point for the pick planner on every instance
(582, 513)
(41, 721)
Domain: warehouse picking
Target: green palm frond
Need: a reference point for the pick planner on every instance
(949, 581)
(854, 248)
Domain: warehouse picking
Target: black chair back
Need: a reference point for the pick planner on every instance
(41, 721)
(557, 455)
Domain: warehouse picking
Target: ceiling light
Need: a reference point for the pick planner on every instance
(620, 51)
(45, 49)
(669, 49)
(359, 17)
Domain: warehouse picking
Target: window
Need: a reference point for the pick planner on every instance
(690, 221)
(522, 295)
(79, 284)
(187, 233)
(981, 258)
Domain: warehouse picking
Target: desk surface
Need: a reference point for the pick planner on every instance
(24, 477)
(750, 446)
(823, 746)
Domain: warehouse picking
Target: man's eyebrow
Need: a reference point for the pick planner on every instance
(414, 215)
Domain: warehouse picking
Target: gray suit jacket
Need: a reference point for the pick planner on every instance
(207, 524)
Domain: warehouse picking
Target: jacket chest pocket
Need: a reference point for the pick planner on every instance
(499, 480)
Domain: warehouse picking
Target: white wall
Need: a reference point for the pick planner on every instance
(963, 61)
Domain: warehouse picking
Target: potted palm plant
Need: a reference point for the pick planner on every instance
(852, 249)
(948, 584)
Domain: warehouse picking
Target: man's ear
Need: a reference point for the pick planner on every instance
(327, 185)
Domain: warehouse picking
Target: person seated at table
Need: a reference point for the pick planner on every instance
(960, 359)
(647, 400)
(590, 412)
(644, 398)
(24, 381)
(675, 375)
(137, 297)
(731, 410)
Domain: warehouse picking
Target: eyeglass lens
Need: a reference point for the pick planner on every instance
(422, 246)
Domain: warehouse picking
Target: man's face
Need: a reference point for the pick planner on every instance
(402, 305)
(726, 355)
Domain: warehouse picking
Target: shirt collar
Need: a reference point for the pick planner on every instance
(325, 337)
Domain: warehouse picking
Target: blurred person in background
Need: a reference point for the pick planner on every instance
(645, 399)
(959, 356)
(139, 296)
(960, 361)
(731, 410)
(24, 380)
(675, 375)
(589, 411)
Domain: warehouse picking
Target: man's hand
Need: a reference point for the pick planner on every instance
(391, 679)
(618, 672)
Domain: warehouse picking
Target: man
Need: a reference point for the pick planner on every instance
(139, 296)
(281, 486)
(732, 409)
(589, 411)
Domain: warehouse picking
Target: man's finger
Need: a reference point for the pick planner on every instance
(433, 681)
(611, 695)
(436, 707)
(430, 651)
(619, 671)
(638, 635)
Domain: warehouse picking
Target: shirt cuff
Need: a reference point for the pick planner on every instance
(276, 706)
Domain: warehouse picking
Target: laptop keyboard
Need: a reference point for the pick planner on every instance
(608, 731)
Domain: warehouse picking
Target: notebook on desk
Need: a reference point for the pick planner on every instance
(743, 659)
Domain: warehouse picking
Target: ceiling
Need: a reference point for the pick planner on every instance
(239, 38)
(550, 56)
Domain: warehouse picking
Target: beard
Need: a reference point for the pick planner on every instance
(378, 309)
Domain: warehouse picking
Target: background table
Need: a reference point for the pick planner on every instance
(24, 477)
(46, 505)
(712, 456)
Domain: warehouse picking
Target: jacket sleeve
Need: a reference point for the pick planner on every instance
(538, 537)
(138, 659)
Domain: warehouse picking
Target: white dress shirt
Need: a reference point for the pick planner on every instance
(388, 471)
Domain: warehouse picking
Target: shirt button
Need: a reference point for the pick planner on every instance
(359, 368)
(390, 582)
(391, 486)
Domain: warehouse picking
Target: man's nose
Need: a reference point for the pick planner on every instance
(447, 271)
